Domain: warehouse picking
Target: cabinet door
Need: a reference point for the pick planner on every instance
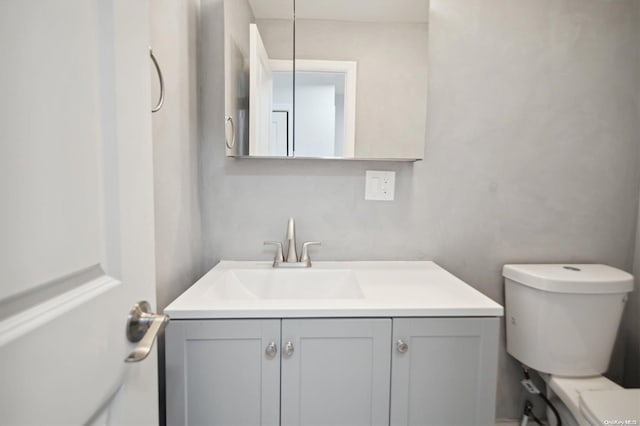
(338, 372)
(447, 376)
(219, 373)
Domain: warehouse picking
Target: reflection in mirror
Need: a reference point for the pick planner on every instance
(325, 102)
(387, 39)
(325, 108)
(359, 90)
(258, 32)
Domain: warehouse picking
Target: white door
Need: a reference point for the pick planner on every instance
(315, 119)
(260, 95)
(76, 215)
(279, 143)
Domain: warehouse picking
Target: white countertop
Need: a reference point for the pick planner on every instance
(388, 289)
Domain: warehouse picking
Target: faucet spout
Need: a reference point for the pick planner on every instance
(292, 253)
(290, 258)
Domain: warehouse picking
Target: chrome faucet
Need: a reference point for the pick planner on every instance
(291, 260)
(292, 252)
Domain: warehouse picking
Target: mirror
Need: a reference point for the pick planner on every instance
(258, 34)
(351, 83)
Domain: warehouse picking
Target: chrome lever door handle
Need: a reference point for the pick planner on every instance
(143, 326)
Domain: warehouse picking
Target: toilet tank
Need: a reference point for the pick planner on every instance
(563, 319)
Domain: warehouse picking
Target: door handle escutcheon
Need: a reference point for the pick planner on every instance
(143, 326)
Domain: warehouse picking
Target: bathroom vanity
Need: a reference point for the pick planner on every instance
(341, 343)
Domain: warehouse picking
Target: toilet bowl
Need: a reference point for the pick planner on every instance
(611, 407)
(562, 321)
(569, 391)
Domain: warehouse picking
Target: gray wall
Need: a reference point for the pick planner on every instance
(175, 142)
(179, 248)
(531, 154)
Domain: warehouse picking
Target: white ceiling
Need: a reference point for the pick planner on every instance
(344, 10)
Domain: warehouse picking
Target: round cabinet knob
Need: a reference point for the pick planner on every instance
(402, 346)
(271, 350)
(288, 349)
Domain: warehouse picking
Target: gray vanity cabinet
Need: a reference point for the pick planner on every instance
(218, 372)
(444, 371)
(322, 372)
(332, 371)
(338, 373)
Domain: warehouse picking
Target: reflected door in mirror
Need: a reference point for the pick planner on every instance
(254, 118)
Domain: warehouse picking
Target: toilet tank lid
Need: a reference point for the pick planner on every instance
(571, 278)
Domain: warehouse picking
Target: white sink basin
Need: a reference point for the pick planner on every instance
(236, 289)
(251, 284)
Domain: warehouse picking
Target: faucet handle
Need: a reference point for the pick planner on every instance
(278, 256)
(304, 257)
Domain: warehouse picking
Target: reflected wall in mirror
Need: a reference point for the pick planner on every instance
(387, 39)
(359, 88)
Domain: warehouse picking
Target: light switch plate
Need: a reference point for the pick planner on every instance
(380, 185)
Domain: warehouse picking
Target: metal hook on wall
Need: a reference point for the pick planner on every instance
(161, 100)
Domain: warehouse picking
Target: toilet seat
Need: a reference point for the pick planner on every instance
(611, 407)
(569, 390)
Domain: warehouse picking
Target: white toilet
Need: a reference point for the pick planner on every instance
(562, 321)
